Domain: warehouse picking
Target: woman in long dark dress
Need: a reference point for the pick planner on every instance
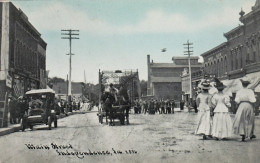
(244, 122)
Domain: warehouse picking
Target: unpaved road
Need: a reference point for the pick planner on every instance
(149, 138)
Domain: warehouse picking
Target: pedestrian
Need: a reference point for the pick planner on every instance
(194, 105)
(79, 102)
(22, 108)
(162, 106)
(222, 123)
(12, 109)
(168, 107)
(205, 120)
(62, 106)
(182, 104)
(145, 106)
(244, 121)
(173, 105)
(151, 107)
(136, 106)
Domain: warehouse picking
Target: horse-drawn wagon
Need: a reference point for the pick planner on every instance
(117, 93)
(113, 106)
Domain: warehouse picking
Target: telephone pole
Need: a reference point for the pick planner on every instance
(70, 35)
(189, 51)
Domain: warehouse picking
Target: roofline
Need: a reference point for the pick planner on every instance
(175, 66)
(184, 57)
(213, 49)
(233, 30)
(26, 20)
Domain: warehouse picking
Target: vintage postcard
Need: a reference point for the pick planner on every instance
(138, 81)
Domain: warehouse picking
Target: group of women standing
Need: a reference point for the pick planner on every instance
(214, 118)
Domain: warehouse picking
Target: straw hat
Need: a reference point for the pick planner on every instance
(205, 85)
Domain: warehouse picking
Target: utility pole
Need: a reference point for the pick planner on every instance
(189, 52)
(69, 33)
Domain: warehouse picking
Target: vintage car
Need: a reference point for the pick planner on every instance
(42, 109)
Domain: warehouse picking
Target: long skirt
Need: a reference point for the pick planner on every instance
(222, 125)
(204, 123)
(244, 122)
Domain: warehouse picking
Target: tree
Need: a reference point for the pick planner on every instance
(54, 80)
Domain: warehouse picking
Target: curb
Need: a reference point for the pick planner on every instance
(16, 127)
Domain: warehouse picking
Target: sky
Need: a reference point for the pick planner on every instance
(118, 34)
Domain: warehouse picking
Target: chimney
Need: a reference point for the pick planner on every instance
(148, 59)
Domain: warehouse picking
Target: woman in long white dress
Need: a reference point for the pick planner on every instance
(205, 120)
(222, 123)
(244, 122)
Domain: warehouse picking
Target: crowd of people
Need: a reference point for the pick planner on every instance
(153, 106)
(214, 117)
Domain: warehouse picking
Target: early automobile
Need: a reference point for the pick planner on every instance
(42, 109)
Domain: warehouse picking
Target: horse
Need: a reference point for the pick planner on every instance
(108, 102)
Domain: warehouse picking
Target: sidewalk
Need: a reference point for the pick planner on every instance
(16, 127)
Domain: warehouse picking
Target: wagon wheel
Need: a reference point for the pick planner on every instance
(49, 122)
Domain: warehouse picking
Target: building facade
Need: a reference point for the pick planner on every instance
(23, 53)
(196, 77)
(240, 55)
(164, 79)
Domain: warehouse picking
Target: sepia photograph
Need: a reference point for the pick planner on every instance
(129, 81)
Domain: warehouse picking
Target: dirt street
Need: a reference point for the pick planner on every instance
(149, 138)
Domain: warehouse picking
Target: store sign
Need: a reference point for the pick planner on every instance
(9, 81)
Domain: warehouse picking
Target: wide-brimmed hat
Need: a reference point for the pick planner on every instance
(205, 85)
(245, 80)
(220, 85)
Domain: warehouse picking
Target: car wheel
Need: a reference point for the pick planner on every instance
(31, 127)
(49, 122)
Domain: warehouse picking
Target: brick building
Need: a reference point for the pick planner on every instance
(164, 79)
(240, 55)
(23, 53)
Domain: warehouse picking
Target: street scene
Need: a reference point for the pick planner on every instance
(152, 138)
(129, 81)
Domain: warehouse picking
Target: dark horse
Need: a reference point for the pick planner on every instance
(108, 100)
(115, 106)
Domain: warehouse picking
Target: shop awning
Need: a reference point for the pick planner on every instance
(255, 81)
